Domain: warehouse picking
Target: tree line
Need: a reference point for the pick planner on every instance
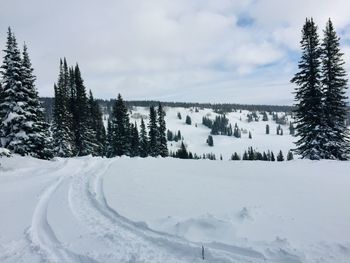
(77, 127)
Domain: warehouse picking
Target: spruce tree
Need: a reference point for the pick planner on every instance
(308, 96)
(235, 157)
(39, 140)
(63, 143)
(143, 140)
(210, 140)
(290, 156)
(13, 130)
(121, 128)
(109, 140)
(245, 156)
(153, 133)
(182, 152)
(179, 116)
(188, 120)
(22, 126)
(280, 157)
(85, 136)
(2, 95)
(334, 84)
(162, 140)
(135, 141)
(95, 125)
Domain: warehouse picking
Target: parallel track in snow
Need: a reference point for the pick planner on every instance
(41, 234)
(135, 242)
(105, 235)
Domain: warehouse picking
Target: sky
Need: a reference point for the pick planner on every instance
(173, 50)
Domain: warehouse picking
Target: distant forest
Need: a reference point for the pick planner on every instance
(107, 105)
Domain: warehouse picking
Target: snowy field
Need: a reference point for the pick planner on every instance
(195, 137)
(163, 210)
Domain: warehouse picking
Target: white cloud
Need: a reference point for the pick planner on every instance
(176, 50)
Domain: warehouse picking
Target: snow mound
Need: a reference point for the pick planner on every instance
(206, 228)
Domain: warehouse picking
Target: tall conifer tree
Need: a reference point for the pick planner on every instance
(135, 141)
(153, 133)
(121, 128)
(22, 126)
(143, 140)
(63, 142)
(39, 140)
(334, 88)
(308, 96)
(95, 125)
(162, 147)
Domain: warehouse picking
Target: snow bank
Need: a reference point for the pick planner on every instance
(299, 205)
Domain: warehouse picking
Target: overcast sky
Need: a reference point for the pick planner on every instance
(172, 50)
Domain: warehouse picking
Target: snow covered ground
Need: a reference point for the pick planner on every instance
(163, 210)
(195, 137)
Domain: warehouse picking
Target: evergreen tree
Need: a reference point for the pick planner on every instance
(13, 128)
(210, 140)
(251, 154)
(121, 128)
(39, 140)
(245, 156)
(272, 157)
(265, 157)
(179, 115)
(143, 140)
(308, 96)
(250, 135)
(235, 157)
(280, 157)
(169, 135)
(22, 126)
(153, 133)
(182, 152)
(2, 96)
(96, 127)
(290, 156)
(236, 131)
(334, 83)
(63, 143)
(84, 135)
(135, 141)
(265, 117)
(109, 140)
(179, 136)
(291, 128)
(188, 120)
(162, 147)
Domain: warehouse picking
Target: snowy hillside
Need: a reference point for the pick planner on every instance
(195, 137)
(163, 210)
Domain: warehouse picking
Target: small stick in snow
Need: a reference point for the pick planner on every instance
(203, 252)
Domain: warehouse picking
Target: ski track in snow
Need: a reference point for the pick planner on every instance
(115, 238)
(135, 242)
(43, 237)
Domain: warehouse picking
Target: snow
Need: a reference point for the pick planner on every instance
(163, 210)
(92, 209)
(11, 116)
(4, 152)
(195, 137)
